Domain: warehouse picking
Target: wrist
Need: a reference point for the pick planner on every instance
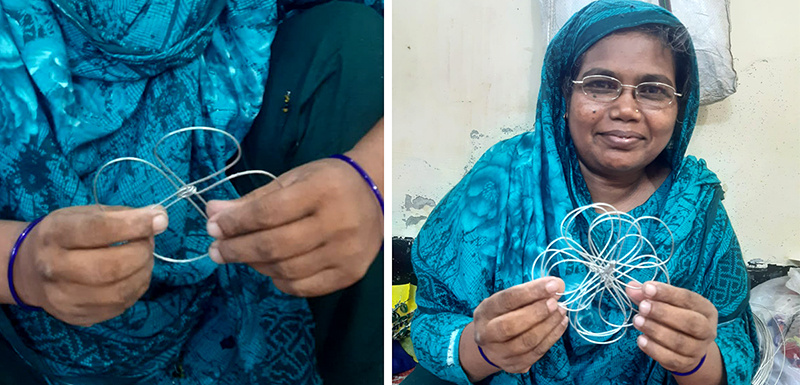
(18, 264)
(472, 362)
(711, 372)
(368, 153)
(371, 162)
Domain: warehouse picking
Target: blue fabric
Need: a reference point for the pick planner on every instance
(85, 82)
(484, 235)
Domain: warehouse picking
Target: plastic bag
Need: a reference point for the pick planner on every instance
(793, 283)
(707, 22)
(779, 309)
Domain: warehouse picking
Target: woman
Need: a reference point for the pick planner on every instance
(616, 109)
(86, 82)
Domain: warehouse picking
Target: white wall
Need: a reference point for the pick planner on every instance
(466, 75)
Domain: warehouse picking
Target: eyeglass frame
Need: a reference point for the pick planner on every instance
(623, 85)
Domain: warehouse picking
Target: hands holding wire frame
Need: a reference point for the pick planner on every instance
(517, 326)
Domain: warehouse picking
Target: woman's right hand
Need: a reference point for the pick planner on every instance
(517, 326)
(84, 265)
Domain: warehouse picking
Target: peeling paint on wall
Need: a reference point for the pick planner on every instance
(415, 211)
(419, 202)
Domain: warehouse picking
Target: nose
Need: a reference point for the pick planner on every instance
(625, 107)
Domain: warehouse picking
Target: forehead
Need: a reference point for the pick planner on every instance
(630, 56)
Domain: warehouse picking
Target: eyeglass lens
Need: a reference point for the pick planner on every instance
(607, 89)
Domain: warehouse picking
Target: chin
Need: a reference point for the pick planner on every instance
(622, 167)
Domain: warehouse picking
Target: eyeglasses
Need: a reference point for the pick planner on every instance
(607, 89)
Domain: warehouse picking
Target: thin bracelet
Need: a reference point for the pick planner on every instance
(11, 259)
(363, 174)
(487, 359)
(693, 370)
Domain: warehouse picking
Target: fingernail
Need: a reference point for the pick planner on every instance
(650, 289)
(564, 321)
(551, 286)
(213, 230)
(562, 311)
(641, 341)
(213, 253)
(552, 305)
(215, 206)
(638, 321)
(644, 307)
(160, 223)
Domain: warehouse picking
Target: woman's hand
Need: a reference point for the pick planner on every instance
(84, 265)
(315, 230)
(515, 327)
(678, 326)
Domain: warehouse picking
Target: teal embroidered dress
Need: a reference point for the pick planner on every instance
(85, 82)
(484, 235)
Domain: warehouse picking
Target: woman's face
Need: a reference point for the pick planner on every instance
(622, 136)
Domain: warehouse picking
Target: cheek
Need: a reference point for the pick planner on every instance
(583, 115)
(663, 125)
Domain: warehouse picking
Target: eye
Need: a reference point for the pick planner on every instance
(601, 85)
(654, 91)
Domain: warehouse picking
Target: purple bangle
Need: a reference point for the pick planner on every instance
(363, 174)
(693, 370)
(11, 259)
(487, 359)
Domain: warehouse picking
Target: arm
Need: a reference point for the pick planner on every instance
(460, 304)
(368, 152)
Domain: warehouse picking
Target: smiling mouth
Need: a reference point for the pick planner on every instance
(623, 134)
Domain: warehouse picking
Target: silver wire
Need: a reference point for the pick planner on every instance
(183, 190)
(608, 266)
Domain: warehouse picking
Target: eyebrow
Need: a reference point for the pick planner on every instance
(645, 78)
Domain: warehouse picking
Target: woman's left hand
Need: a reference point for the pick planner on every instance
(678, 325)
(314, 230)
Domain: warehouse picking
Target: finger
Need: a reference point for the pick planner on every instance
(121, 295)
(552, 337)
(522, 295)
(99, 229)
(73, 302)
(686, 321)
(273, 245)
(679, 297)
(525, 343)
(324, 282)
(530, 342)
(297, 268)
(258, 211)
(101, 266)
(86, 317)
(634, 291)
(512, 324)
(669, 359)
(669, 338)
(215, 207)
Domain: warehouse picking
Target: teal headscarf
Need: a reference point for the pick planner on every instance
(484, 235)
(85, 82)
